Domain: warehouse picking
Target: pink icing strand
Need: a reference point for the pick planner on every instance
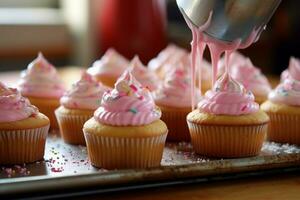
(128, 104)
(197, 47)
(13, 106)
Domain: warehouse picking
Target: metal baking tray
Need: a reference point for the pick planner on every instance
(67, 167)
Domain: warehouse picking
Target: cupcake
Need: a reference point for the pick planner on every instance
(168, 57)
(126, 130)
(77, 106)
(143, 75)
(109, 67)
(252, 79)
(283, 107)
(23, 130)
(41, 84)
(227, 123)
(174, 99)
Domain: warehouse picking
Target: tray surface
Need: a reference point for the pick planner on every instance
(63, 159)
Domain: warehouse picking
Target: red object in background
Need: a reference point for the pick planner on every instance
(133, 27)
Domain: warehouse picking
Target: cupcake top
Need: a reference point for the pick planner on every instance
(228, 97)
(251, 77)
(111, 64)
(13, 106)
(288, 91)
(291, 70)
(176, 89)
(41, 80)
(84, 94)
(171, 55)
(146, 77)
(128, 104)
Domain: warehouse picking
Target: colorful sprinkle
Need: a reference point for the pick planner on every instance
(244, 108)
(133, 87)
(133, 110)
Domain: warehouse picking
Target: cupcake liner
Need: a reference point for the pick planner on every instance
(105, 80)
(22, 146)
(70, 127)
(177, 125)
(120, 153)
(227, 141)
(284, 128)
(49, 112)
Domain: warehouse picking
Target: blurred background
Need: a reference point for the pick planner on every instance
(76, 32)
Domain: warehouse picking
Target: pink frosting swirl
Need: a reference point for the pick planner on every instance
(288, 91)
(146, 77)
(228, 97)
(128, 104)
(251, 77)
(168, 57)
(292, 70)
(111, 64)
(176, 89)
(84, 94)
(13, 106)
(41, 80)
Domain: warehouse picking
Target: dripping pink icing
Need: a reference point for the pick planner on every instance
(41, 80)
(236, 58)
(84, 94)
(197, 47)
(216, 47)
(13, 106)
(146, 77)
(288, 91)
(251, 77)
(228, 97)
(128, 104)
(175, 90)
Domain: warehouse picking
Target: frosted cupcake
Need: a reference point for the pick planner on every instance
(108, 69)
(252, 79)
(174, 99)
(77, 106)
(283, 107)
(23, 130)
(147, 78)
(171, 55)
(227, 123)
(126, 130)
(41, 84)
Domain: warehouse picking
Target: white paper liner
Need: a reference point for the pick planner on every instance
(70, 127)
(284, 128)
(22, 146)
(227, 141)
(120, 153)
